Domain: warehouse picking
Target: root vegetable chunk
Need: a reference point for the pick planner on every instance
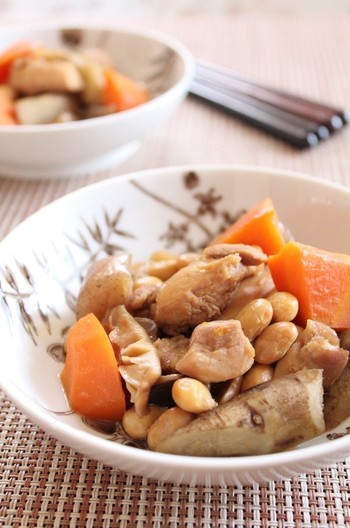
(42, 109)
(269, 418)
(108, 283)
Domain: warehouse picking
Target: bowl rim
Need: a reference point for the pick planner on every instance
(180, 86)
(92, 443)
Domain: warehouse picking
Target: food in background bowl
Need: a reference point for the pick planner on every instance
(40, 85)
(160, 66)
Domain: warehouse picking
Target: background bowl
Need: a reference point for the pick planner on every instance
(68, 149)
(43, 259)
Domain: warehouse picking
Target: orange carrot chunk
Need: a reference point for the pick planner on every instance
(90, 375)
(259, 226)
(19, 49)
(319, 279)
(7, 107)
(122, 91)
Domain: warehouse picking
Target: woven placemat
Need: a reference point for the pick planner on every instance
(45, 484)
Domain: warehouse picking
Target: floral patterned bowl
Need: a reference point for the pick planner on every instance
(163, 64)
(43, 260)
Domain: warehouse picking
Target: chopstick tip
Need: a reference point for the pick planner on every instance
(336, 122)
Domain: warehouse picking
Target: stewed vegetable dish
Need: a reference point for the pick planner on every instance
(239, 349)
(41, 85)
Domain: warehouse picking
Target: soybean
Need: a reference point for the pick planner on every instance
(163, 264)
(274, 342)
(136, 426)
(192, 395)
(255, 317)
(285, 306)
(147, 280)
(257, 375)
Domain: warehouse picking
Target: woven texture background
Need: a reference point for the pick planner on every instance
(45, 484)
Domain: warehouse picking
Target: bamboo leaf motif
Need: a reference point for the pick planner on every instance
(18, 282)
(25, 273)
(94, 238)
(4, 303)
(95, 232)
(112, 222)
(44, 317)
(28, 322)
(111, 249)
(10, 279)
(70, 300)
(81, 241)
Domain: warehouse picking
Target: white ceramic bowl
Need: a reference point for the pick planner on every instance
(42, 261)
(69, 149)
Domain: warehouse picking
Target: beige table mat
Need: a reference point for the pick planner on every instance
(45, 484)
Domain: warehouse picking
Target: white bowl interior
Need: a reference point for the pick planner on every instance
(42, 262)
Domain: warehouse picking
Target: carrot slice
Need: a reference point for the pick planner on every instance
(19, 49)
(122, 91)
(90, 375)
(319, 279)
(7, 108)
(259, 226)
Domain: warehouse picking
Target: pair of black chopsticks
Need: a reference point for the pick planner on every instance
(301, 122)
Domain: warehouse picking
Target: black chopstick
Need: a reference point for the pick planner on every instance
(288, 131)
(304, 107)
(299, 121)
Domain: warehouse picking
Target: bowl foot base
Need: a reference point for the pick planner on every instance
(100, 163)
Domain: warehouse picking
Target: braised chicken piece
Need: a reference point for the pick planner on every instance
(35, 76)
(142, 299)
(316, 329)
(257, 286)
(218, 351)
(108, 283)
(138, 359)
(250, 255)
(171, 350)
(317, 346)
(200, 291)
